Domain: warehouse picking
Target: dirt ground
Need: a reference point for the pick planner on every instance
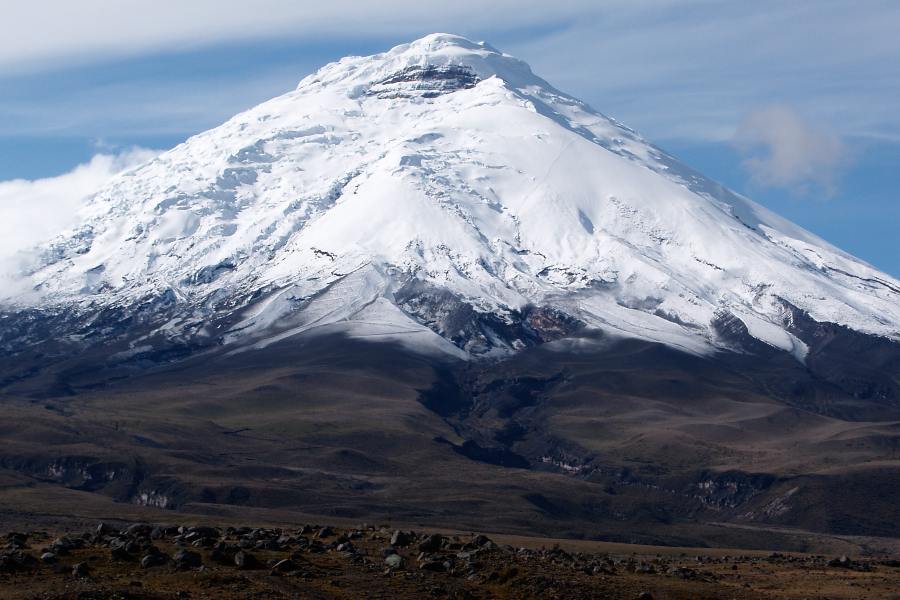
(145, 562)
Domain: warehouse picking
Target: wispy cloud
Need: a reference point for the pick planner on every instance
(54, 30)
(33, 211)
(785, 151)
(670, 69)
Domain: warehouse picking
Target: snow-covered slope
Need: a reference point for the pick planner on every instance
(443, 187)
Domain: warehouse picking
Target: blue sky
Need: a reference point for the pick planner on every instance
(791, 104)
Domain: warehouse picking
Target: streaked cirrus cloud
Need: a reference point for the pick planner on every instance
(669, 69)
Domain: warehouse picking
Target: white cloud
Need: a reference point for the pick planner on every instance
(787, 152)
(33, 211)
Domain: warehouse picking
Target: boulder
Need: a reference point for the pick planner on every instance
(325, 532)
(394, 561)
(81, 570)
(431, 543)
(138, 529)
(843, 562)
(120, 553)
(63, 543)
(206, 532)
(435, 566)
(246, 561)
(15, 536)
(286, 565)
(399, 539)
(26, 559)
(150, 561)
(8, 564)
(187, 558)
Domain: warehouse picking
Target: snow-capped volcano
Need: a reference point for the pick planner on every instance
(442, 187)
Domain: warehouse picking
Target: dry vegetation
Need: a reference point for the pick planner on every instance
(154, 562)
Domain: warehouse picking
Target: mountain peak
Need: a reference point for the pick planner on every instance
(441, 189)
(435, 42)
(434, 56)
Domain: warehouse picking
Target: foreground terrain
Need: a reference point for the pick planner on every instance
(155, 562)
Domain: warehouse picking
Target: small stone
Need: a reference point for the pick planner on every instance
(48, 557)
